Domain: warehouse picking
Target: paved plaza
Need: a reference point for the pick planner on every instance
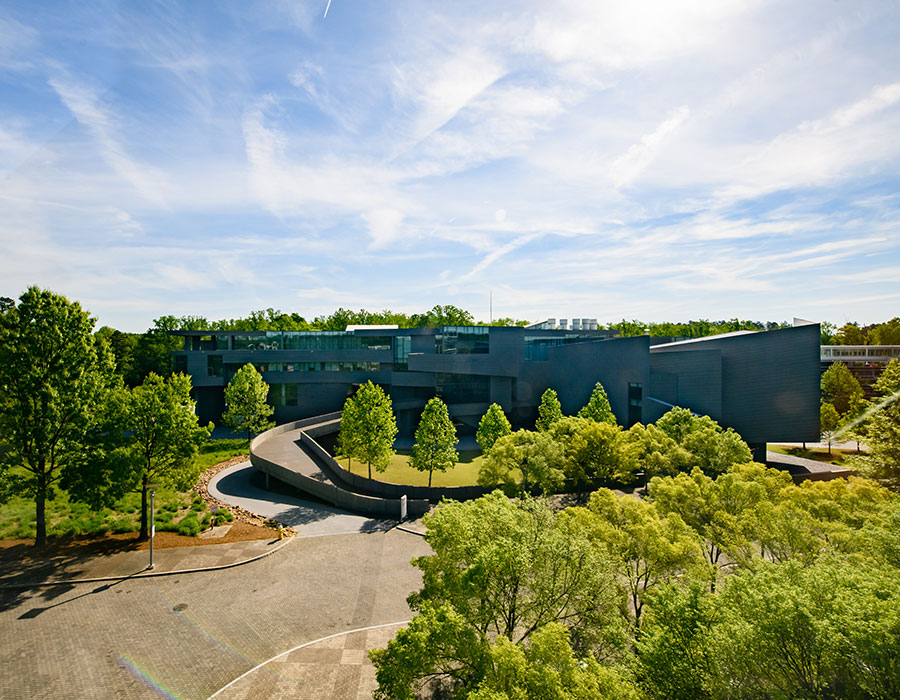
(189, 635)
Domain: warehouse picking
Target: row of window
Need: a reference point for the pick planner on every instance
(310, 340)
(314, 367)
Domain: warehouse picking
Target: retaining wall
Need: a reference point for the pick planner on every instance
(324, 489)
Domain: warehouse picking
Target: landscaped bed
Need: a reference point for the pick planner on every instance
(179, 516)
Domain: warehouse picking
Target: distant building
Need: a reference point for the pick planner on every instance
(765, 385)
(865, 362)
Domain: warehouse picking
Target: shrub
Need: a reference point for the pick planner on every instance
(189, 526)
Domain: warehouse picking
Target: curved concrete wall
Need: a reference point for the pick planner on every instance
(324, 489)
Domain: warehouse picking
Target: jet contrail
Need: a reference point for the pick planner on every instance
(326, 9)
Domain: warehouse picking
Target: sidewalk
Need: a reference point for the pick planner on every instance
(61, 568)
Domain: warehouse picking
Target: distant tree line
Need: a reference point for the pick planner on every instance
(887, 333)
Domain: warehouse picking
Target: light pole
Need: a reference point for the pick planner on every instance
(152, 523)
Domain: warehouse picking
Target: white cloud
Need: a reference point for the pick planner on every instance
(88, 109)
(628, 167)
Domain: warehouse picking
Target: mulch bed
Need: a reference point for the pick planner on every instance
(246, 526)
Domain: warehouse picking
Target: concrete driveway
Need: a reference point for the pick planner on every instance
(243, 486)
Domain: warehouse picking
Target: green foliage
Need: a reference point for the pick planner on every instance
(888, 381)
(368, 427)
(882, 461)
(692, 329)
(435, 446)
(655, 452)
(528, 573)
(164, 435)
(593, 451)
(647, 548)
(840, 388)
(804, 604)
(54, 376)
(493, 426)
(549, 411)
(153, 351)
(597, 408)
(523, 461)
(712, 449)
(245, 401)
(547, 667)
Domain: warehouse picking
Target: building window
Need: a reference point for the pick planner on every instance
(214, 365)
(402, 344)
(635, 403)
(181, 363)
(465, 340)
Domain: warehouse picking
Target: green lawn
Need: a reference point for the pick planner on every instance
(465, 473)
(182, 512)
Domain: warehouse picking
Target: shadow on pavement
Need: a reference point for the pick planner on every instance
(25, 564)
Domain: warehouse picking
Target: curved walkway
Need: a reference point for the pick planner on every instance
(336, 667)
(244, 486)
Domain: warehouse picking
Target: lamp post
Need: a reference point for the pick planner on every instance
(152, 522)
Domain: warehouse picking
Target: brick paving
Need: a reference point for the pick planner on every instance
(337, 667)
(188, 635)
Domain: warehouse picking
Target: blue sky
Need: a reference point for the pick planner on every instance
(657, 160)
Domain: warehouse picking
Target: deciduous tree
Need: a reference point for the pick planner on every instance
(435, 446)
(53, 375)
(840, 388)
(500, 569)
(493, 426)
(246, 407)
(368, 427)
(524, 460)
(549, 411)
(598, 408)
(164, 435)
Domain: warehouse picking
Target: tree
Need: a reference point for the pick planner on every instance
(850, 334)
(435, 446)
(829, 420)
(549, 411)
(712, 449)
(883, 440)
(53, 374)
(840, 388)
(500, 569)
(153, 351)
(646, 548)
(524, 460)
(597, 407)
(547, 667)
(493, 426)
(164, 435)
(654, 451)
(368, 427)
(245, 402)
(593, 451)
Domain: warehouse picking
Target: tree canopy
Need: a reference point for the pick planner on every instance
(435, 446)
(549, 410)
(840, 388)
(54, 376)
(598, 408)
(246, 406)
(164, 436)
(493, 425)
(740, 585)
(368, 427)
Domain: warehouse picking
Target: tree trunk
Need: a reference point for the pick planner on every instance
(430, 472)
(145, 530)
(40, 507)
(370, 470)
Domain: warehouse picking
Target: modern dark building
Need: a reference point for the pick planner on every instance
(765, 385)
